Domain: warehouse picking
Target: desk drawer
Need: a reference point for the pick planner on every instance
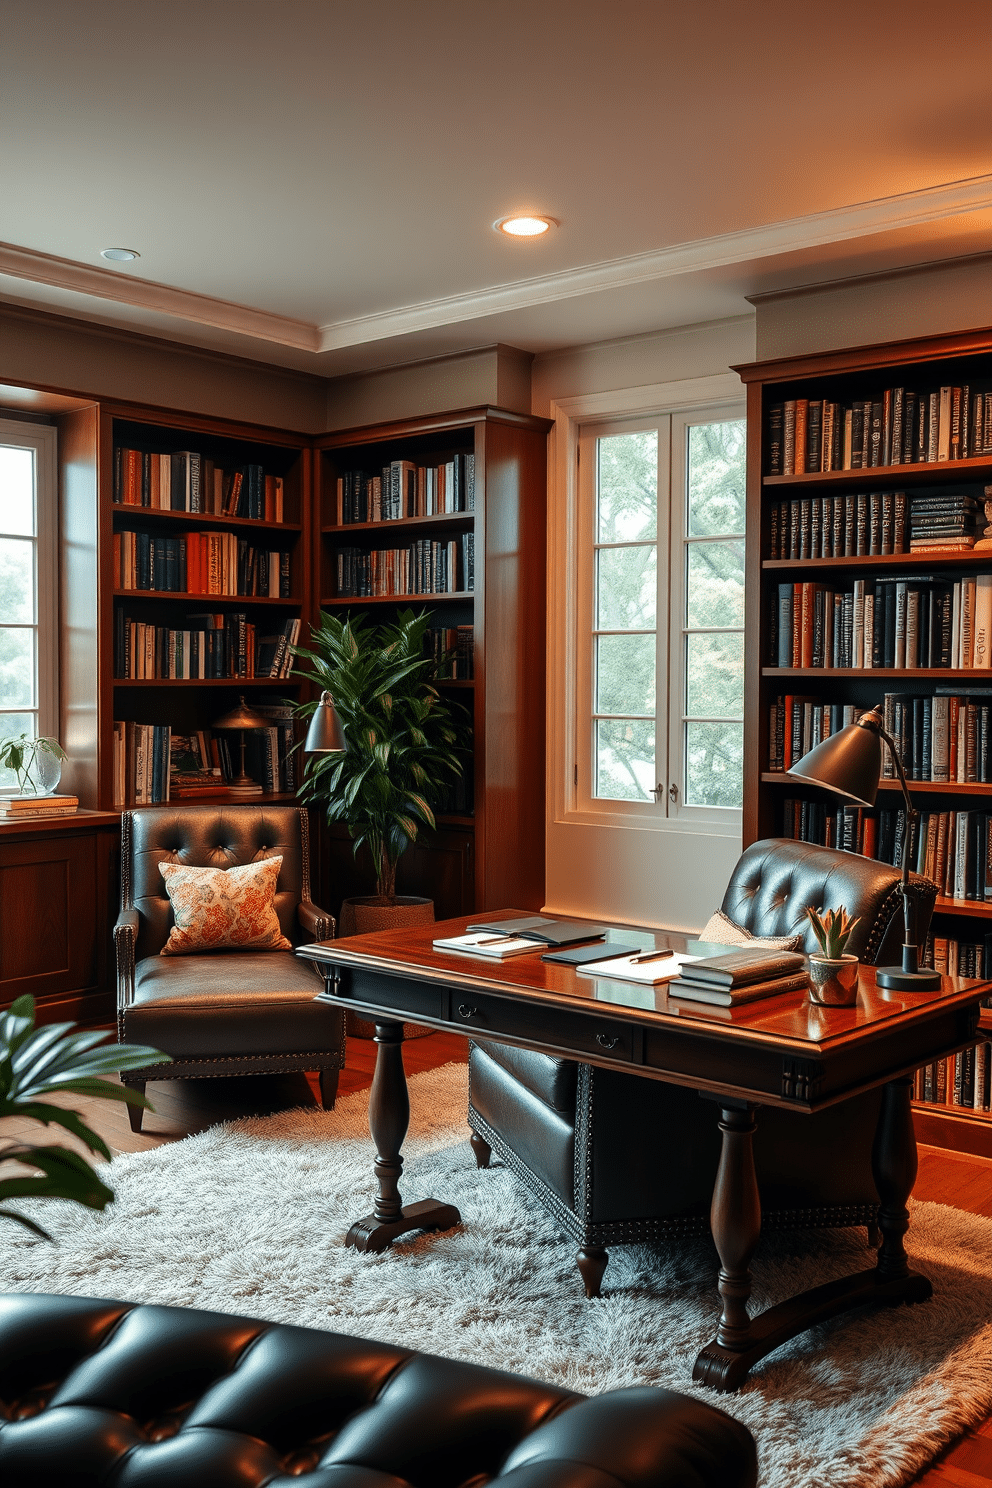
(415, 999)
(569, 1032)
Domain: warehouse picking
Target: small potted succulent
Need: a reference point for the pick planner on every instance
(833, 974)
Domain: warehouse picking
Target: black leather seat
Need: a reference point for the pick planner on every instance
(619, 1158)
(143, 1397)
(221, 1013)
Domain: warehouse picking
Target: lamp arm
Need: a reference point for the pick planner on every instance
(910, 951)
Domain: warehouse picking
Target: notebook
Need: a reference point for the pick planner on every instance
(627, 968)
(490, 947)
(602, 951)
(547, 932)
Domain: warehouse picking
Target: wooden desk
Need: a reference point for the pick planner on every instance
(782, 1051)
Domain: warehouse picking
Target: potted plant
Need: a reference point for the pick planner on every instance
(37, 763)
(833, 975)
(35, 1062)
(404, 748)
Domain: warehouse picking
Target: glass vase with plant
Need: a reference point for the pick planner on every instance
(37, 763)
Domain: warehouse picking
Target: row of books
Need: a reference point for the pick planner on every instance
(425, 567)
(452, 650)
(153, 764)
(405, 489)
(896, 427)
(187, 481)
(962, 1080)
(891, 621)
(868, 524)
(200, 563)
(944, 738)
(951, 848)
(207, 647)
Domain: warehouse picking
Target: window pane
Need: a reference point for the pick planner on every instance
(16, 490)
(715, 589)
(627, 486)
(12, 724)
(714, 764)
(625, 759)
(716, 478)
(714, 682)
(627, 588)
(17, 580)
(16, 667)
(625, 674)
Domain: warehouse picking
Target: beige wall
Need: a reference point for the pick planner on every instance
(497, 376)
(41, 350)
(637, 361)
(953, 296)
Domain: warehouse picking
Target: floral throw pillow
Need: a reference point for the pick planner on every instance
(223, 909)
(721, 930)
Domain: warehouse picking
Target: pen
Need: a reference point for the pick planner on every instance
(651, 956)
(492, 939)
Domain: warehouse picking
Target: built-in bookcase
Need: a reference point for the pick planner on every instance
(176, 602)
(448, 514)
(898, 446)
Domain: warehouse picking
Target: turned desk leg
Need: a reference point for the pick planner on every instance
(735, 1221)
(389, 1118)
(893, 1166)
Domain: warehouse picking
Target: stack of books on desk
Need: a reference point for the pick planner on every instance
(740, 976)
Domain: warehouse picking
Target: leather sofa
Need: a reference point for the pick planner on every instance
(618, 1158)
(134, 1396)
(221, 1013)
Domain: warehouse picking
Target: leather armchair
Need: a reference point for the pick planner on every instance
(98, 1392)
(221, 1013)
(618, 1158)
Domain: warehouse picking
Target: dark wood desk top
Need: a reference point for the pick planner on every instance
(789, 1019)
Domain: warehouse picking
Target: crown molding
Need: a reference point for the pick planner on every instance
(839, 224)
(163, 299)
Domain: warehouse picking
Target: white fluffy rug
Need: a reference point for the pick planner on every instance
(250, 1218)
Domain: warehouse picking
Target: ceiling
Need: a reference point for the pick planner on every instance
(313, 182)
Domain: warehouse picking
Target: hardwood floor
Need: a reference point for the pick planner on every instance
(186, 1106)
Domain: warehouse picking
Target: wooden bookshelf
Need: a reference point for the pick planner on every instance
(495, 855)
(844, 377)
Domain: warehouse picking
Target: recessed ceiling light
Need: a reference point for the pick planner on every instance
(119, 255)
(524, 226)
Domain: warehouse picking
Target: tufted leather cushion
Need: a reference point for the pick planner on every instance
(776, 880)
(211, 837)
(98, 1392)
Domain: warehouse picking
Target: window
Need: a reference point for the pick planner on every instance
(663, 503)
(28, 529)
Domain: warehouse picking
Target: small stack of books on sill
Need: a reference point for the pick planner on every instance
(29, 808)
(740, 976)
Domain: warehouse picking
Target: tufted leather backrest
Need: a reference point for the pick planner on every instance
(110, 1392)
(776, 880)
(210, 837)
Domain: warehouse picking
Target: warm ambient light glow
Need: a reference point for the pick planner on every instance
(524, 227)
(119, 255)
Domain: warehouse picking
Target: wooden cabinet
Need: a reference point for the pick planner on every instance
(58, 896)
(928, 456)
(503, 514)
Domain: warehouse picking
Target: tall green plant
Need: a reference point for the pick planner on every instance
(403, 738)
(35, 1062)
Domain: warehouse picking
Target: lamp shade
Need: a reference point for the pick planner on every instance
(849, 763)
(326, 733)
(242, 717)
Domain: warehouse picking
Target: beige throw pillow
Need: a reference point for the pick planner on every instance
(223, 909)
(721, 930)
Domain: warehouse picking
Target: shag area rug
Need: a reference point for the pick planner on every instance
(250, 1217)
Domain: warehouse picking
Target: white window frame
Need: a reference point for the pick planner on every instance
(42, 439)
(690, 400)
